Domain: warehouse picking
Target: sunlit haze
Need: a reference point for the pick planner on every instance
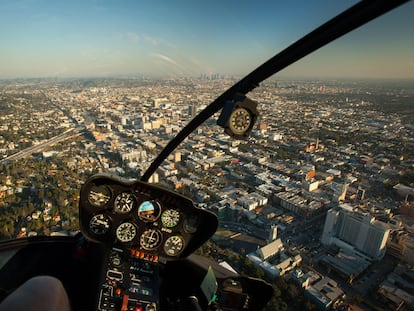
(181, 38)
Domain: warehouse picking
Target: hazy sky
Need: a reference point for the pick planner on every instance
(40, 38)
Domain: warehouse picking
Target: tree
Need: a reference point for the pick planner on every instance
(293, 292)
(358, 299)
(308, 305)
(280, 283)
(41, 194)
(7, 229)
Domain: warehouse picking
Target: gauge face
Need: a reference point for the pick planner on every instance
(149, 211)
(240, 121)
(126, 232)
(150, 239)
(124, 202)
(174, 245)
(170, 218)
(99, 224)
(99, 195)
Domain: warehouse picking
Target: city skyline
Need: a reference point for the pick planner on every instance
(104, 38)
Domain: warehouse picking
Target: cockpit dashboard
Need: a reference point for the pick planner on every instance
(142, 217)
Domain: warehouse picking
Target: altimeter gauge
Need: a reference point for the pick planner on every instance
(150, 239)
(99, 224)
(126, 232)
(174, 245)
(170, 218)
(99, 195)
(124, 202)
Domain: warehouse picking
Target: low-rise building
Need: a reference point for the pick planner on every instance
(272, 259)
(324, 293)
(397, 289)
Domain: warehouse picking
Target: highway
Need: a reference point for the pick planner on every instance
(39, 147)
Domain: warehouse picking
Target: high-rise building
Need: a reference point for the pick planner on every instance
(192, 110)
(345, 227)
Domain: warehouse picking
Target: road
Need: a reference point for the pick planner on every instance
(36, 148)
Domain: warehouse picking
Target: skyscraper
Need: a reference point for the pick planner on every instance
(192, 110)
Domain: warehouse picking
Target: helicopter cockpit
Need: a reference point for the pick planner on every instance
(142, 225)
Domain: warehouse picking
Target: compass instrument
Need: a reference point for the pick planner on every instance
(238, 116)
(240, 120)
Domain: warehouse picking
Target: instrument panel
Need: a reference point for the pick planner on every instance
(139, 215)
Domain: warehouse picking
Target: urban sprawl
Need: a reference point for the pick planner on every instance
(321, 194)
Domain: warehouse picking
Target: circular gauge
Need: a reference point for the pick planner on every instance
(150, 239)
(240, 121)
(149, 211)
(170, 218)
(126, 232)
(174, 245)
(99, 195)
(124, 202)
(99, 224)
